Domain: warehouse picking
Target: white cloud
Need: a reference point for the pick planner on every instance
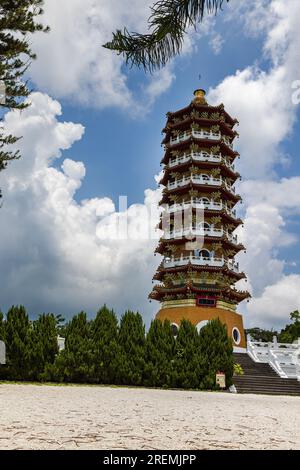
(273, 307)
(74, 170)
(55, 242)
(73, 64)
(261, 100)
(283, 194)
(216, 43)
(263, 234)
(52, 255)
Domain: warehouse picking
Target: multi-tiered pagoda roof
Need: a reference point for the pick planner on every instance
(199, 176)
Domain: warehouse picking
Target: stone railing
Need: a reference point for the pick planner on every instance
(198, 134)
(284, 358)
(197, 179)
(194, 232)
(197, 260)
(195, 204)
(200, 261)
(200, 157)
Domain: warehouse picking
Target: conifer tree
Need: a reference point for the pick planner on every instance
(17, 22)
(188, 366)
(44, 347)
(17, 335)
(291, 332)
(75, 363)
(106, 351)
(216, 350)
(132, 349)
(159, 354)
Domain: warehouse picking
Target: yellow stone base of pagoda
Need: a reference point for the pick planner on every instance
(187, 309)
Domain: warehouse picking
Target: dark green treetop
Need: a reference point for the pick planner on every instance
(18, 345)
(132, 349)
(187, 363)
(75, 363)
(159, 355)
(44, 347)
(216, 351)
(106, 351)
(17, 22)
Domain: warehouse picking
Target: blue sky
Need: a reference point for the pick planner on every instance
(105, 120)
(137, 151)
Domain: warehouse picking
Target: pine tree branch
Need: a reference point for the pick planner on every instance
(17, 21)
(168, 23)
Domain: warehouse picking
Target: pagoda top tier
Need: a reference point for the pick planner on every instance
(199, 103)
(200, 96)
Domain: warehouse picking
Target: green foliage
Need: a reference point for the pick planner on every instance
(75, 363)
(99, 351)
(44, 346)
(258, 334)
(292, 331)
(237, 369)
(132, 349)
(188, 369)
(106, 350)
(289, 334)
(159, 353)
(17, 21)
(18, 342)
(216, 352)
(61, 325)
(168, 23)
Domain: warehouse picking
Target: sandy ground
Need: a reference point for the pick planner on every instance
(46, 417)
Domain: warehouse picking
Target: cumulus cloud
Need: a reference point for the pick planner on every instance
(262, 234)
(71, 60)
(262, 101)
(73, 64)
(51, 249)
(272, 308)
(284, 193)
(64, 255)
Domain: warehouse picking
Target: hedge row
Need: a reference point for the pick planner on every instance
(106, 351)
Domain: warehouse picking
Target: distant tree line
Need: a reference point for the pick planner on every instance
(289, 334)
(107, 351)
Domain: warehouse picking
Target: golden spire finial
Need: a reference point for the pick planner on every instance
(200, 96)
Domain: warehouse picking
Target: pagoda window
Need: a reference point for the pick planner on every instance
(204, 200)
(205, 301)
(204, 225)
(204, 254)
(236, 335)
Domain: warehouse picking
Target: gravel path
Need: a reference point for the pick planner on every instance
(70, 417)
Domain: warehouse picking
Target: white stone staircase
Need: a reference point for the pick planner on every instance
(283, 358)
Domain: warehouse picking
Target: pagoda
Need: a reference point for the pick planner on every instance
(198, 273)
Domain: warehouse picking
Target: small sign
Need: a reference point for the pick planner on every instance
(220, 379)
